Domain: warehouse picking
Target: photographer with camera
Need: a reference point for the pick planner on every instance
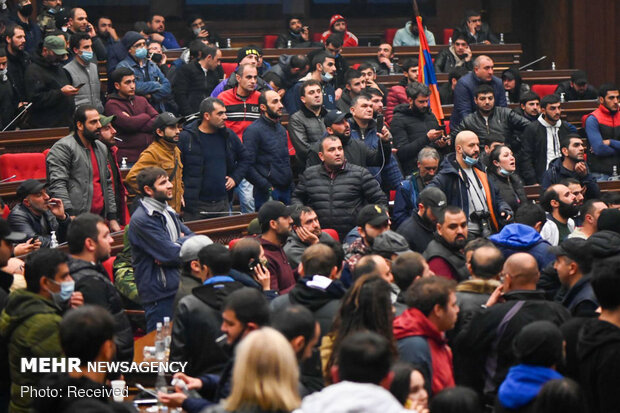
(465, 182)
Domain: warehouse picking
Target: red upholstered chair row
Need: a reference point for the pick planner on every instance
(269, 41)
(389, 34)
(447, 34)
(544, 90)
(23, 165)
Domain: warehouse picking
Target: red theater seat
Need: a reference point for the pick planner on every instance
(332, 233)
(447, 34)
(316, 37)
(23, 165)
(544, 90)
(389, 34)
(232, 243)
(269, 41)
(229, 68)
(109, 267)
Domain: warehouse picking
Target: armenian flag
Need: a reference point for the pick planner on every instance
(426, 72)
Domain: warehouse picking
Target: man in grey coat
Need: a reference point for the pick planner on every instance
(77, 171)
(306, 232)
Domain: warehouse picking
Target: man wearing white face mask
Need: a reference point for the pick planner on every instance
(30, 320)
(465, 182)
(83, 71)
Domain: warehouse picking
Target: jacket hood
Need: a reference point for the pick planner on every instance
(604, 243)
(315, 291)
(214, 295)
(517, 236)
(77, 265)
(243, 278)
(413, 323)
(595, 334)
(349, 397)
(285, 61)
(23, 304)
(523, 383)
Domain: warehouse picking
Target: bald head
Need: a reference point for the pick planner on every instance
(520, 272)
(483, 68)
(486, 262)
(466, 143)
(464, 137)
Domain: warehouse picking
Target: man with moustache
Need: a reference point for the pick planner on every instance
(444, 253)
(297, 34)
(529, 106)
(490, 119)
(418, 229)
(77, 169)
(265, 140)
(561, 207)
(571, 165)
(18, 59)
(602, 128)
(541, 140)
(164, 153)
(465, 182)
(457, 55)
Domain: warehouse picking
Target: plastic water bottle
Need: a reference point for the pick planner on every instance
(228, 43)
(124, 163)
(562, 98)
(289, 44)
(552, 65)
(507, 96)
(450, 40)
(217, 44)
(614, 174)
(167, 332)
(501, 38)
(53, 240)
(160, 343)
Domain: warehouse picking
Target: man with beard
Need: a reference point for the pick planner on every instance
(77, 169)
(163, 152)
(78, 23)
(418, 229)
(18, 59)
(21, 17)
(571, 165)
(297, 34)
(306, 232)
(383, 62)
(410, 35)
(156, 234)
(409, 189)
(214, 161)
(602, 130)
(398, 93)
(414, 127)
(275, 221)
(157, 24)
(265, 140)
(474, 30)
(457, 55)
(37, 214)
(561, 207)
(48, 87)
(90, 244)
(541, 140)
(577, 88)
(322, 71)
(490, 119)
(355, 151)
(444, 253)
(465, 182)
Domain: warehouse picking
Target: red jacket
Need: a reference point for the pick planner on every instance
(413, 323)
(349, 39)
(396, 96)
(136, 130)
(240, 113)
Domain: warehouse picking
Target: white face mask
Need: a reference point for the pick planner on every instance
(327, 77)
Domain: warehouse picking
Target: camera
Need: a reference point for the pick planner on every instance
(479, 216)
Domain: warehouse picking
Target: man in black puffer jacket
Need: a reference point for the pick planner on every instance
(488, 119)
(414, 126)
(89, 245)
(337, 190)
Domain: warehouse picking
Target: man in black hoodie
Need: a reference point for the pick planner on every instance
(198, 316)
(599, 340)
(90, 244)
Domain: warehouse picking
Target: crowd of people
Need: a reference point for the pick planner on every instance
(462, 295)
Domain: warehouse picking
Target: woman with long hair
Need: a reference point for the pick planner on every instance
(502, 167)
(265, 377)
(366, 306)
(249, 266)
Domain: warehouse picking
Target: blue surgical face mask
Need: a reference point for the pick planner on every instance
(469, 160)
(141, 53)
(327, 77)
(87, 56)
(66, 290)
(504, 172)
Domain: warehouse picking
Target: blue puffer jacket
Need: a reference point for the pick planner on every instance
(267, 147)
(406, 199)
(237, 160)
(390, 176)
(515, 238)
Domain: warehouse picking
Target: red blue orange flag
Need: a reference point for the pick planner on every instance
(426, 72)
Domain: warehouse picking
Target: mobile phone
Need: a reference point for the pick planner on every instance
(80, 85)
(252, 265)
(379, 123)
(147, 391)
(443, 128)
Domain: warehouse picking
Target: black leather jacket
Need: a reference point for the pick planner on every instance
(22, 220)
(501, 121)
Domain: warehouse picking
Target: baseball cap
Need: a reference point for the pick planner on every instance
(573, 248)
(29, 186)
(105, 120)
(247, 50)
(374, 215)
(165, 119)
(56, 45)
(388, 243)
(579, 77)
(434, 198)
(273, 210)
(335, 116)
(191, 247)
(609, 220)
(6, 233)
